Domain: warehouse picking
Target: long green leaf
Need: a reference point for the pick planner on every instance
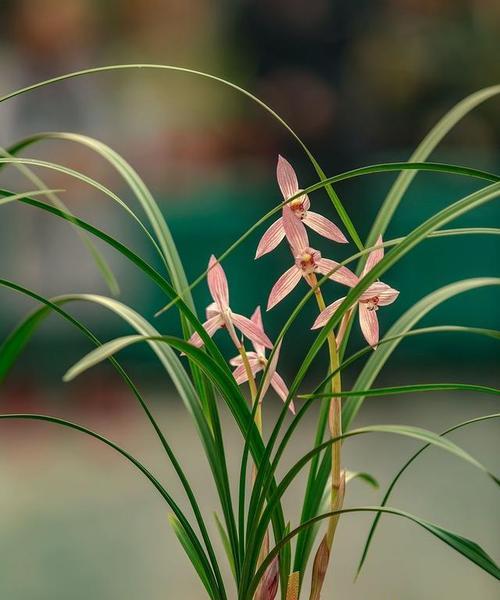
(392, 257)
(17, 197)
(400, 473)
(162, 232)
(103, 352)
(239, 407)
(313, 495)
(370, 170)
(333, 196)
(462, 545)
(406, 322)
(141, 192)
(192, 554)
(99, 260)
(166, 496)
(412, 389)
(13, 345)
(257, 533)
(423, 151)
(187, 392)
(88, 180)
(226, 544)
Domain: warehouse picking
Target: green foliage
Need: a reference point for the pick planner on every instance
(202, 377)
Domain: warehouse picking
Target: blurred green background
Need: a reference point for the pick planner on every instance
(361, 82)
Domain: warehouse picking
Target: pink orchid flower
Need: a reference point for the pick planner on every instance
(378, 294)
(307, 261)
(219, 314)
(258, 362)
(289, 186)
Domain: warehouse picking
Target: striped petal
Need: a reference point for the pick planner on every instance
(271, 238)
(324, 227)
(295, 231)
(240, 373)
(212, 310)
(270, 371)
(374, 257)
(284, 286)
(257, 319)
(250, 330)
(385, 294)
(369, 324)
(325, 315)
(341, 275)
(287, 179)
(210, 326)
(238, 361)
(217, 283)
(279, 386)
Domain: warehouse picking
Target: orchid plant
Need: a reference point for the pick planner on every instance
(267, 554)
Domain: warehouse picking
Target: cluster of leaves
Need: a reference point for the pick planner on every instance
(207, 379)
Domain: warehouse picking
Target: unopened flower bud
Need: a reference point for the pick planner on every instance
(319, 569)
(268, 586)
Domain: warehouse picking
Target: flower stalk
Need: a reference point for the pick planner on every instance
(335, 427)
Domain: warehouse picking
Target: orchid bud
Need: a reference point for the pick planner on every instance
(319, 569)
(268, 586)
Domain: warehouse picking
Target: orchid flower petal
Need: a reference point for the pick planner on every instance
(324, 227)
(257, 319)
(217, 283)
(383, 292)
(285, 284)
(326, 314)
(250, 330)
(271, 238)
(342, 275)
(240, 373)
(210, 326)
(212, 310)
(374, 257)
(236, 361)
(281, 389)
(271, 369)
(295, 231)
(369, 324)
(287, 178)
(306, 203)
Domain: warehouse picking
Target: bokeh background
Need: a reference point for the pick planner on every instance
(361, 82)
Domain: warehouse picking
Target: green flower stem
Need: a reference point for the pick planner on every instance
(335, 426)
